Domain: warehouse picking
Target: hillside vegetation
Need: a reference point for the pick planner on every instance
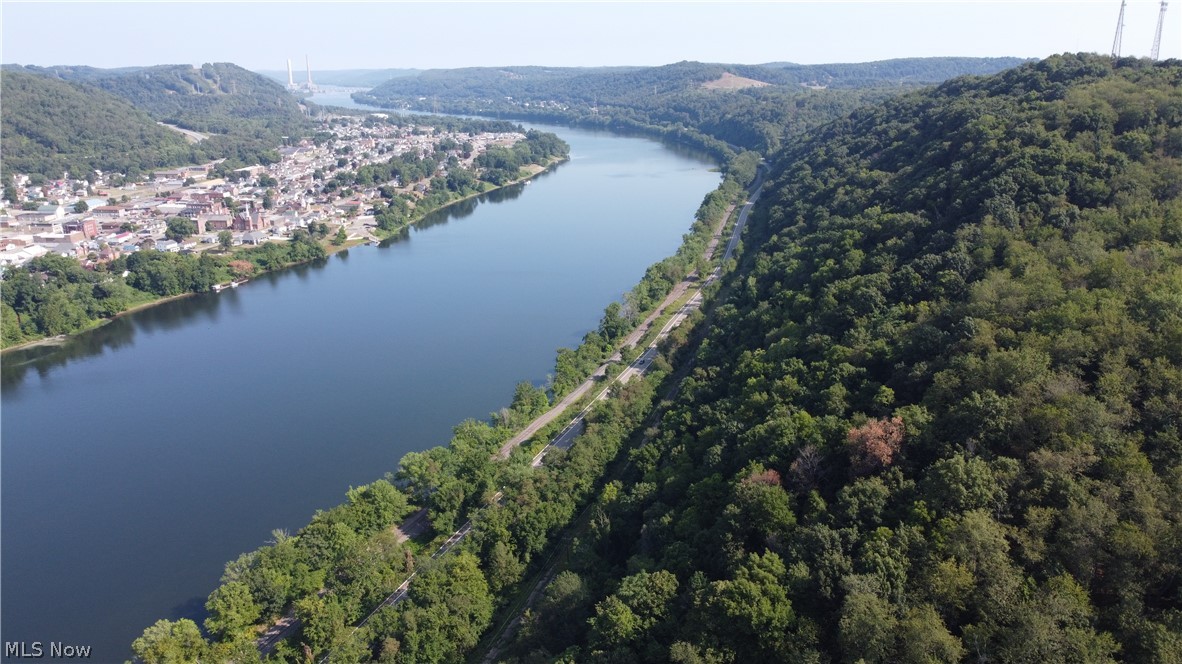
(50, 126)
(247, 114)
(676, 101)
(939, 416)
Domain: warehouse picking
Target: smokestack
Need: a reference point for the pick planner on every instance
(309, 66)
(290, 80)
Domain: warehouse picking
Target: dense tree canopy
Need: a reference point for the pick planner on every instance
(78, 118)
(52, 126)
(934, 418)
(937, 419)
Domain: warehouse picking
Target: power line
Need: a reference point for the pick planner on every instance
(1161, 19)
(1120, 29)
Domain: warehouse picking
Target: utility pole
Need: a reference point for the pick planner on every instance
(1161, 19)
(1120, 29)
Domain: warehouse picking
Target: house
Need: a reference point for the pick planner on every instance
(254, 237)
(168, 245)
(69, 250)
(109, 253)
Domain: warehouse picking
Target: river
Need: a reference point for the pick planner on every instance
(140, 457)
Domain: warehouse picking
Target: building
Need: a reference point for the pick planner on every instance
(88, 227)
(109, 211)
(254, 220)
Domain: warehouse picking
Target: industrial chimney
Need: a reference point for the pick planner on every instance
(290, 80)
(309, 66)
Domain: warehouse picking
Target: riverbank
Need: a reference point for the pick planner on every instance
(282, 395)
(380, 235)
(372, 235)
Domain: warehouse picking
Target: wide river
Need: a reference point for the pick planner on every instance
(140, 457)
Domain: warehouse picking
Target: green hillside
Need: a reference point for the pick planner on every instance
(49, 126)
(620, 84)
(247, 113)
(214, 98)
(938, 417)
(671, 100)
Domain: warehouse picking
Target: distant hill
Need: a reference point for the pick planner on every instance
(900, 71)
(50, 125)
(213, 98)
(248, 113)
(615, 84)
(683, 100)
(349, 78)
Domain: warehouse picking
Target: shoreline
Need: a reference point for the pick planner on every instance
(62, 339)
(520, 180)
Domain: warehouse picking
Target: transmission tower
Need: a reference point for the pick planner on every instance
(1120, 29)
(1161, 19)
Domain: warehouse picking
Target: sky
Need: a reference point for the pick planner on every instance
(376, 35)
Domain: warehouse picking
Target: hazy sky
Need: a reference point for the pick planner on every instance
(340, 35)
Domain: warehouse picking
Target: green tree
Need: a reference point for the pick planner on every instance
(168, 642)
(180, 228)
(867, 629)
(232, 610)
(225, 240)
(81, 207)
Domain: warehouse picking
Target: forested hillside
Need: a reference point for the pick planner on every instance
(671, 99)
(49, 126)
(247, 114)
(938, 417)
(620, 84)
(900, 71)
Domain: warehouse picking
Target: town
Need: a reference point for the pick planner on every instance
(97, 217)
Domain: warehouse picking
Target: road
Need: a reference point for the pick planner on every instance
(190, 135)
(566, 437)
(633, 337)
(418, 521)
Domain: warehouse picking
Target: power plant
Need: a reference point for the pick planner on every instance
(1120, 30)
(307, 86)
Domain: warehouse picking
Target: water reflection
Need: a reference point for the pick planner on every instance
(16, 364)
(120, 332)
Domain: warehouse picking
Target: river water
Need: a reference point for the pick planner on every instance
(140, 457)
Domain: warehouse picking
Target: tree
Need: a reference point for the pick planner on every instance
(340, 237)
(752, 613)
(231, 610)
(180, 228)
(867, 628)
(873, 446)
(241, 269)
(168, 642)
(81, 207)
(450, 607)
(503, 567)
(225, 240)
